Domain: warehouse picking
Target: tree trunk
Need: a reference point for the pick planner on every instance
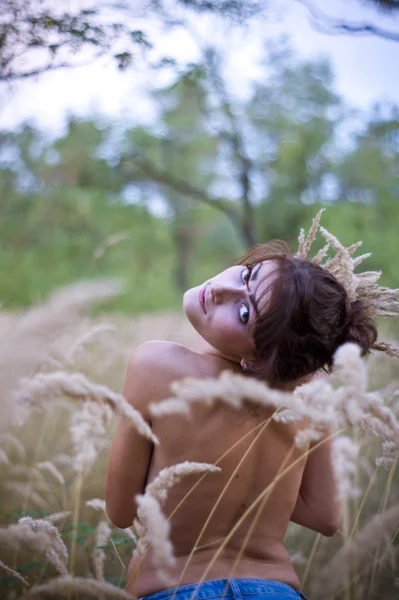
(182, 242)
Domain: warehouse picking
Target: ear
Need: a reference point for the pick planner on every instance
(243, 364)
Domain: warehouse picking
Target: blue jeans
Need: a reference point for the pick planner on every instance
(230, 589)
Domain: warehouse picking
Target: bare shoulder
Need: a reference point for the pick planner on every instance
(167, 358)
(154, 366)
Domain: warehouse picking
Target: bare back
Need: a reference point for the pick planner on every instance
(259, 463)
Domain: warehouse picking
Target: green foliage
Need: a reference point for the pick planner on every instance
(62, 222)
(165, 206)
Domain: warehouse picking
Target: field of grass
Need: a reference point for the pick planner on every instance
(55, 433)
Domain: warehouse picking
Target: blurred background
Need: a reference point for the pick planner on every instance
(156, 140)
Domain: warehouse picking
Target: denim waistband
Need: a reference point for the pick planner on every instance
(230, 589)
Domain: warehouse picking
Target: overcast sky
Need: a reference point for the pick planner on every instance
(366, 68)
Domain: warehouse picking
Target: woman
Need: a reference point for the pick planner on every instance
(274, 316)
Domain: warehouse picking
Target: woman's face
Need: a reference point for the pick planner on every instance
(223, 309)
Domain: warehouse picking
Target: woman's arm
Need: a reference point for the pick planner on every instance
(131, 452)
(318, 505)
(152, 368)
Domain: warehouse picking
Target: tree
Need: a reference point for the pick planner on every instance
(63, 218)
(368, 191)
(37, 36)
(228, 171)
(174, 161)
(262, 154)
(295, 115)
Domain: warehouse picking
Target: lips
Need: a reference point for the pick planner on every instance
(201, 297)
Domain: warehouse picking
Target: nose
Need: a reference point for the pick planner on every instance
(221, 292)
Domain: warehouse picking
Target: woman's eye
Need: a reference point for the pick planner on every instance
(246, 274)
(244, 314)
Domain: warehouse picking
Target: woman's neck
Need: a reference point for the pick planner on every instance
(205, 348)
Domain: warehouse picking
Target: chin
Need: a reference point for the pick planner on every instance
(191, 306)
(187, 301)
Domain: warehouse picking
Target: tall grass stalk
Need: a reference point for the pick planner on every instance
(103, 532)
(310, 559)
(345, 530)
(396, 533)
(30, 486)
(68, 586)
(359, 511)
(13, 573)
(374, 570)
(355, 585)
(337, 575)
(75, 521)
(38, 450)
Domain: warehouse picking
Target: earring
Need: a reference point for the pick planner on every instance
(244, 366)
